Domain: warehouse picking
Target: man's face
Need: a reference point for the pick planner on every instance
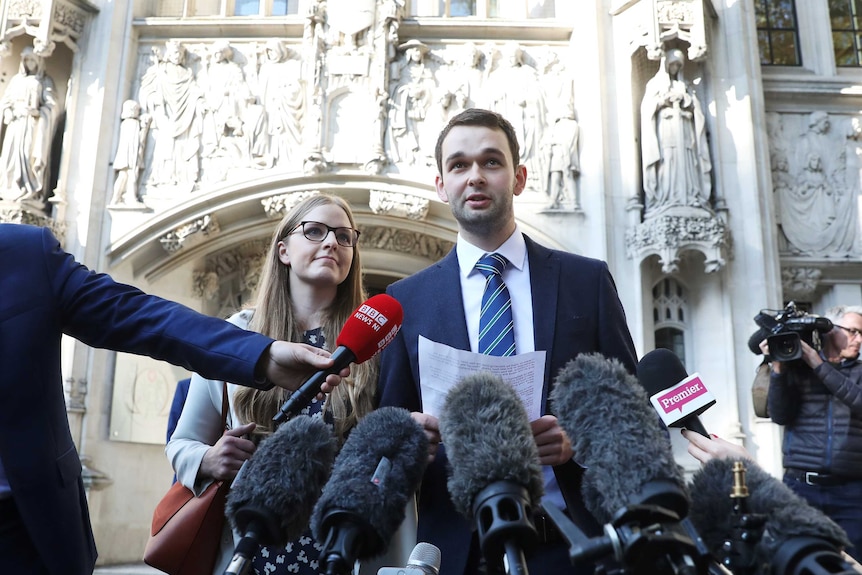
(479, 180)
(848, 337)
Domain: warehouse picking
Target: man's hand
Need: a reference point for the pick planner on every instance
(223, 460)
(288, 365)
(555, 447)
(431, 425)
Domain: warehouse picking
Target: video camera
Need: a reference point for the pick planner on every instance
(783, 331)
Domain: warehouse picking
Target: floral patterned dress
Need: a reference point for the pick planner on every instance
(302, 555)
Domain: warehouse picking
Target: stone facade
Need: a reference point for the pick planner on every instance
(179, 135)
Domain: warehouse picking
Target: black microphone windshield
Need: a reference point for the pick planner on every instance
(488, 438)
(617, 437)
(275, 493)
(377, 471)
(787, 515)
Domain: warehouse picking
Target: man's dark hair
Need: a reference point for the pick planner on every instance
(479, 117)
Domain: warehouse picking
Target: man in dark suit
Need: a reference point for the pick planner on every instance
(45, 293)
(562, 303)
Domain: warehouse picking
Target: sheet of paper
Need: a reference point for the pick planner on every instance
(441, 367)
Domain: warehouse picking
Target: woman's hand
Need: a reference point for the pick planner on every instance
(223, 460)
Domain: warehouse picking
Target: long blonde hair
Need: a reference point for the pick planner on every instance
(274, 316)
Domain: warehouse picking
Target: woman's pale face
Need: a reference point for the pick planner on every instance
(324, 264)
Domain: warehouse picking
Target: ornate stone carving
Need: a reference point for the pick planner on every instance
(21, 214)
(800, 283)
(683, 20)
(230, 278)
(276, 206)
(76, 394)
(398, 204)
(667, 236)
(65, 23)
(190, 233)
(816, 181)
(405, 241)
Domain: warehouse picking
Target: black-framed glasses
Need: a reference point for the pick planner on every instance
(852, 331)
(316, 232)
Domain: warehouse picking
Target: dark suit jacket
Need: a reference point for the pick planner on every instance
(45, 293)
(575, 310)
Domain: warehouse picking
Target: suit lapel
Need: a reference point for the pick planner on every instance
(544, 285)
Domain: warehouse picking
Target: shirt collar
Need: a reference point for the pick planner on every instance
(513, 249)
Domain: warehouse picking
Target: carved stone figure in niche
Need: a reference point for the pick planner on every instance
(129, 159)
(28, 114)
(817, 209)
(227, 97)
(676, 162)
(170, 95)
(561, 150)
(283, 97)
(409, 102)
(516, 93)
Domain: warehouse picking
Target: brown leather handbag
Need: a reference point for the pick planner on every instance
(186, 530)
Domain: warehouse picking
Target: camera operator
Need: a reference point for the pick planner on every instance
(821, 409)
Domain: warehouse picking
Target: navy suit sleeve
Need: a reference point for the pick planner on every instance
(615, 340)
(102, 313)
(396, 385)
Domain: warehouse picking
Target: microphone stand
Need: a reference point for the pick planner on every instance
(738, 552)
(641, 540)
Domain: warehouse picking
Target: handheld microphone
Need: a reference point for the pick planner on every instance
(271, 501)
(423, 560)
(797, 538)
(677, 397)
(372, 327)
(363, 504)
(496, 479)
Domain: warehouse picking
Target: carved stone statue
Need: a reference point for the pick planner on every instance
(676, 162)
(516, 93)
(561, 150)
(129, 159)
(283, 96)
(411, 97)
(171, 96)
(28, 112)
(227, 97)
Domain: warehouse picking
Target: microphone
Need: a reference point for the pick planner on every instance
(677, 397)
(423, 560)
(372, 327)
(375, 475)
(616, 437)
(631, 482)
(271, 501)
(496, 479)
(797, 538)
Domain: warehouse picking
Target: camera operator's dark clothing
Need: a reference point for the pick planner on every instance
(822, 414)
(821, 410)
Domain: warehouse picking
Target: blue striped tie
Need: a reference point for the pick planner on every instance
(496, 328)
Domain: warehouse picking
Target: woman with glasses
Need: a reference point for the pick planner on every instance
(310, 284)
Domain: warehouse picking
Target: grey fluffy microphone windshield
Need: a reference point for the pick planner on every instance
(271, 500)
(792, 529)
(496, 478)
(488, 438)
(617, 437)
(377, 471)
